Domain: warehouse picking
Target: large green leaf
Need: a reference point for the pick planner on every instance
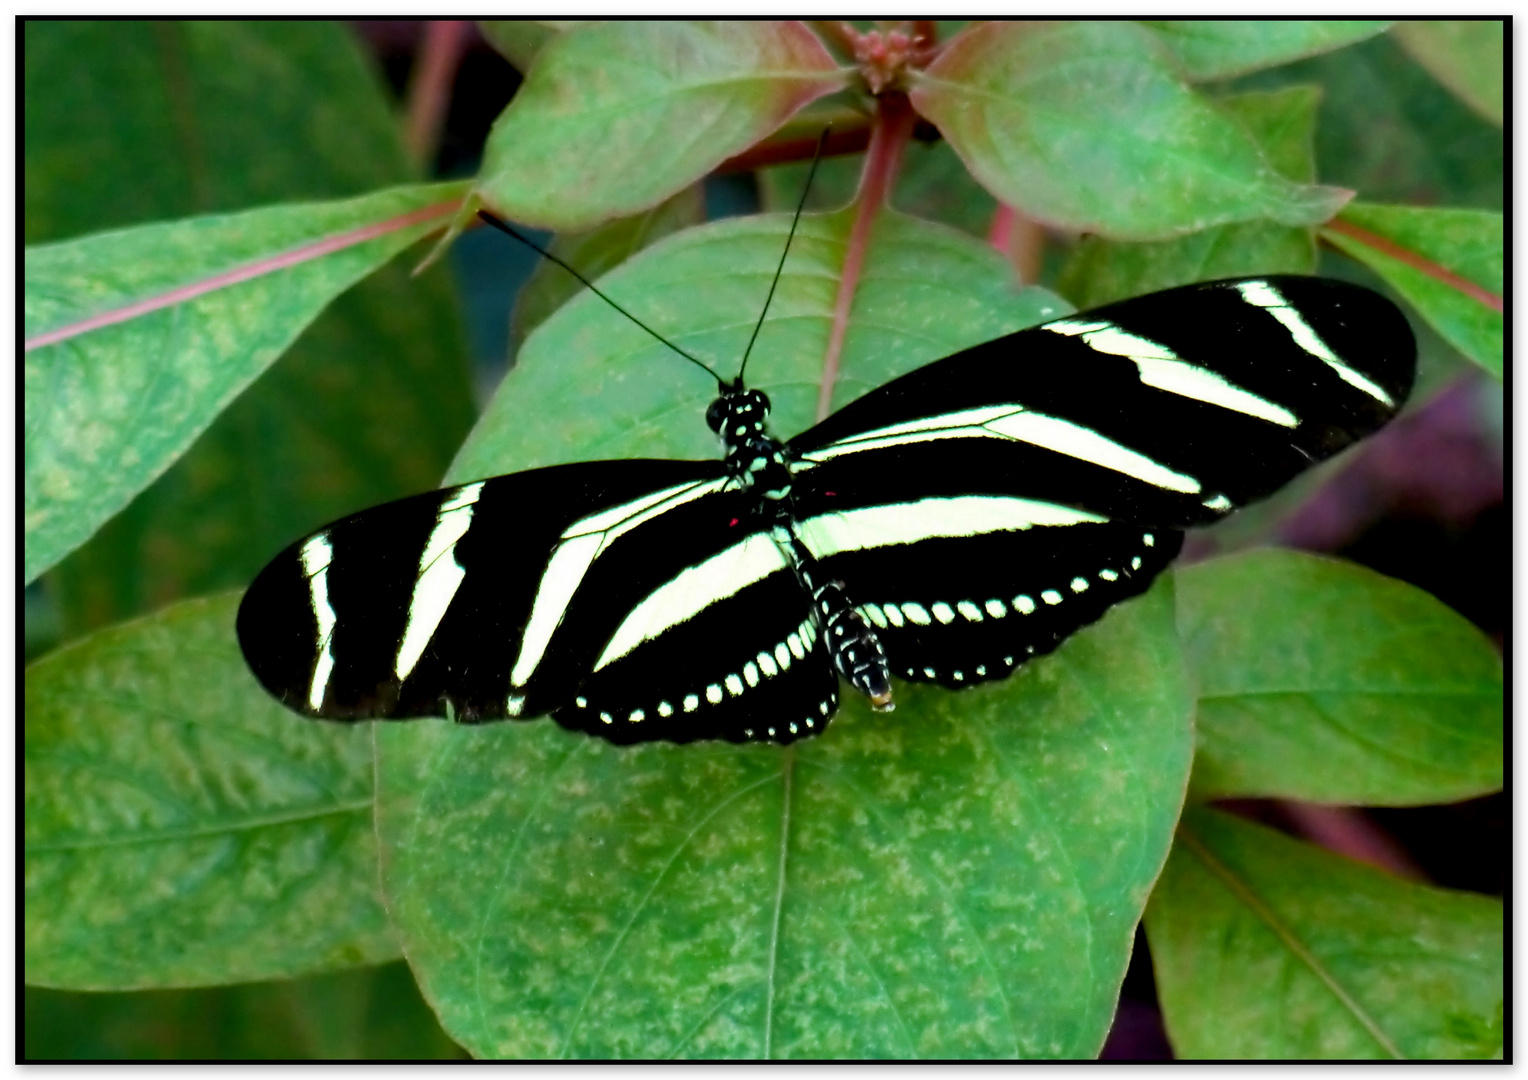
(109, 408)
(1459, 249)
(1265, 947)
(181, 828)
(365, 1013)
(959, 878)
(1101, 271)
(1465, 55)
(1325, 681)
(615, 117)
(589, 384)
(945, 866)
(1086, 125)
(1217, 48)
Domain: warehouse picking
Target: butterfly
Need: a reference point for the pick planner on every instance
(946, 527)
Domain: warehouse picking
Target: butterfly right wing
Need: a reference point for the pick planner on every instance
(488, 600)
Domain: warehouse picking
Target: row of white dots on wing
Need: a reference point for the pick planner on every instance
(796, 644)
(898, 615)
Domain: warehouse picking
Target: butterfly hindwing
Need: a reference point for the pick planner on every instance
(730, 649)
(961, 610)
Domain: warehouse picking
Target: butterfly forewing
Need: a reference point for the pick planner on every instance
(460, 600)
(1169, 409)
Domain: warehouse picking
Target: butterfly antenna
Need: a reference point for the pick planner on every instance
(503, 226)
(806, 188)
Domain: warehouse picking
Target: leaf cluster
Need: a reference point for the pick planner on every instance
(225, 359)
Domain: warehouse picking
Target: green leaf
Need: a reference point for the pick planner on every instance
(1466, 55)
(1218, 48)
(597, 251)
(1389, 130)
(368, 405)
(261, 111)
(927, 291)
(959, 878)
(519, 40)
(1458, 285)
(1265, 947)
(128, 122)
(613, 118)
(182, 828)
(109, 408)
(1065, 120)
(372, 1013)
(1101, 271)
(1324, 681)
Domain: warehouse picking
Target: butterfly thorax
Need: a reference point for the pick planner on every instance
(754, 458)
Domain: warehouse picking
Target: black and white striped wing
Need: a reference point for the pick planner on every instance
(726, 649)
(521, 595)
(987, 505)
(981, 584)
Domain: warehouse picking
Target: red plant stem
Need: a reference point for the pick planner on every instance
(1416, 262)
(843, 139)
(430, 85)
(258, 268)
(888, 138)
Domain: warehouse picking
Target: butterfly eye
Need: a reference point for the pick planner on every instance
(716, 414)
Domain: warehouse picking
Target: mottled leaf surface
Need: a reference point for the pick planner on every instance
(1466, 55)
(181, 828)
(615, 117)
(1087, 126)
(370, 401)
(1101, 271)
(1219, 48)
(1467, 243)
(109, 410)
(1324, 681)
(589, 384)
(959, 878)
(1266, 947)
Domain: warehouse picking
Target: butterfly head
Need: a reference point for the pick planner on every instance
(738, 408)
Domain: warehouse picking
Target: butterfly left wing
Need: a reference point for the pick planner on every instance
(987, 505)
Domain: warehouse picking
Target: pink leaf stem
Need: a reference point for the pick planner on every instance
(888, 138)
(258, 268)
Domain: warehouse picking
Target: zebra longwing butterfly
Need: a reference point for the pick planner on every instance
(944, 528)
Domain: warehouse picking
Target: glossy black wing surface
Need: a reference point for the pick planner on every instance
(1001, 498)
(520, 595)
